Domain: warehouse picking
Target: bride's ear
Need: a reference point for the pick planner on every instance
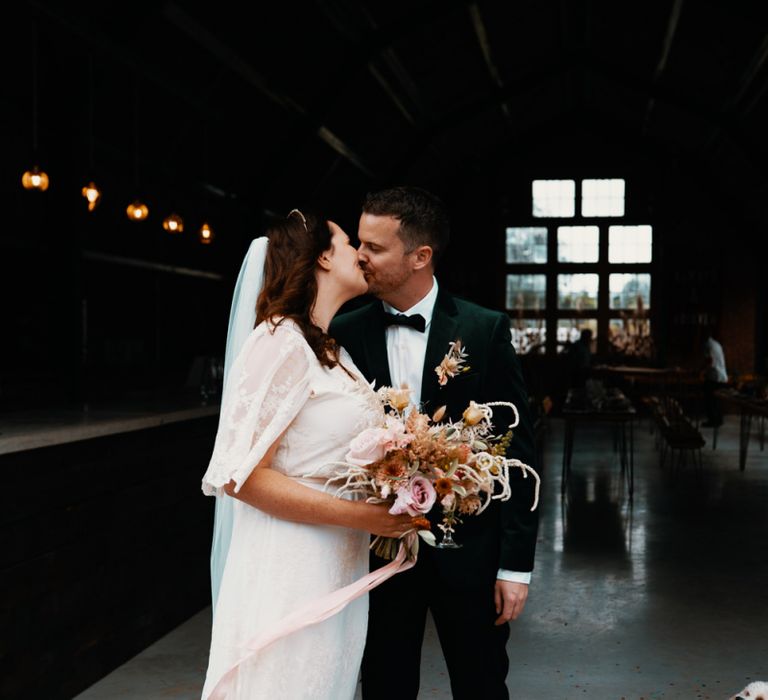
(324, 261)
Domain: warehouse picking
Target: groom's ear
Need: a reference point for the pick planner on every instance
(422, 257)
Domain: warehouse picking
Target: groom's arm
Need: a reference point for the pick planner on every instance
(519, 525)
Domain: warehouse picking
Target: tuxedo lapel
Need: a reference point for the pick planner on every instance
(375, 345)
(442, 331)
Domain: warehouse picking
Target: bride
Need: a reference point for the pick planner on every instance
(289, 560)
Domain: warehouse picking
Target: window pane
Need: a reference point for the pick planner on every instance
(526, 245)
(526, 291)
(578, 243)
(630, 244)
(602, 197)
(630, 291)
(554, 198)
(631, 336)
(577, 291)
(569, 330)
(529, 335)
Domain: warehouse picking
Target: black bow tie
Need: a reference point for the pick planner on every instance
(416, 321)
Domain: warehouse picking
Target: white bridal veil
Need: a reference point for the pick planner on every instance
(242, 319)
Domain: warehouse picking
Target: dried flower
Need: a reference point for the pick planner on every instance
(400, 398)
(393, 466)
(473, 415)
(469, 504)
(437, 416)
(463, 453)
(452, 364)
(448, 501)
(417, 423)
(443, 486)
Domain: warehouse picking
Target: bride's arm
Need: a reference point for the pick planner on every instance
(285, 498)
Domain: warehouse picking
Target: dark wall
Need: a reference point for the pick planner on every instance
(78, 330)
(105, 548)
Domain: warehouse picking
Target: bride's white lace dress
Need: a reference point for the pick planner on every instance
(275, 565)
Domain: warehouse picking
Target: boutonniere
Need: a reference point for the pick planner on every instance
(453, 363)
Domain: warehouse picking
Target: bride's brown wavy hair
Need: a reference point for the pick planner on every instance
(290, 286)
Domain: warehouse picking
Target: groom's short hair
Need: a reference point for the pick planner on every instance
(422, 215)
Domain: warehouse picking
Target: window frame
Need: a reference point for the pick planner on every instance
(603, 314)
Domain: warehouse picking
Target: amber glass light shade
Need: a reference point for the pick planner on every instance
(206, 234)
(35, 179)
(92, 194)
(173, 223)
(137, 211)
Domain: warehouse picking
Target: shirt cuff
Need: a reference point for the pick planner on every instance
(515, 576)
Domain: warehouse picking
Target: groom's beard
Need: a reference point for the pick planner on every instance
(381, 284)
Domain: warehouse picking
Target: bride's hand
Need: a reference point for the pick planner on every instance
(378, 521)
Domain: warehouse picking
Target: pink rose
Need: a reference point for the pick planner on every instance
(367, 447)
(415, 498)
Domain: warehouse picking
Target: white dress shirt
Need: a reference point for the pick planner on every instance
(717, 372)
(406, 349)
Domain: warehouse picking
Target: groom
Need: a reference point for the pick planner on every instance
(474, 591)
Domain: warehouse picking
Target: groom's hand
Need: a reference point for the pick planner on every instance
(510, 600)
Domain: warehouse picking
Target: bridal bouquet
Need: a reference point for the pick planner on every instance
(416, 462)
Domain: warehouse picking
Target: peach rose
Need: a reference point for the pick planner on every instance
(400, 398)
(473, 415)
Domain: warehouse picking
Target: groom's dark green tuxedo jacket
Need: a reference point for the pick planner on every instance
(504, 536)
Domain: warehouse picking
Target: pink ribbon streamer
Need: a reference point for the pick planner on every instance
(312, 613)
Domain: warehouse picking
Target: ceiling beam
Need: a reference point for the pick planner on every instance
(485, 46)
(378, 76)
(152, 72)
(339, 17)
(195, 31)
(386, 54)
(749, 75)
(373, 50)
(555, 70)
(730, 110)
(674, 18)
(608, 70)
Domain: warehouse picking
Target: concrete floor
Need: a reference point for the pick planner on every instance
(663, 598)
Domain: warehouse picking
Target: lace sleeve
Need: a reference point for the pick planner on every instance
(268, 386)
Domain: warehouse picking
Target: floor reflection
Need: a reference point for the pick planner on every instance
(597, 522)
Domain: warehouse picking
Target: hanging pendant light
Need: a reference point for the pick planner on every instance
(173, 223)
(91, 191)
(35, 178)
(137, 210)
(206, 234)
(93, 194)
